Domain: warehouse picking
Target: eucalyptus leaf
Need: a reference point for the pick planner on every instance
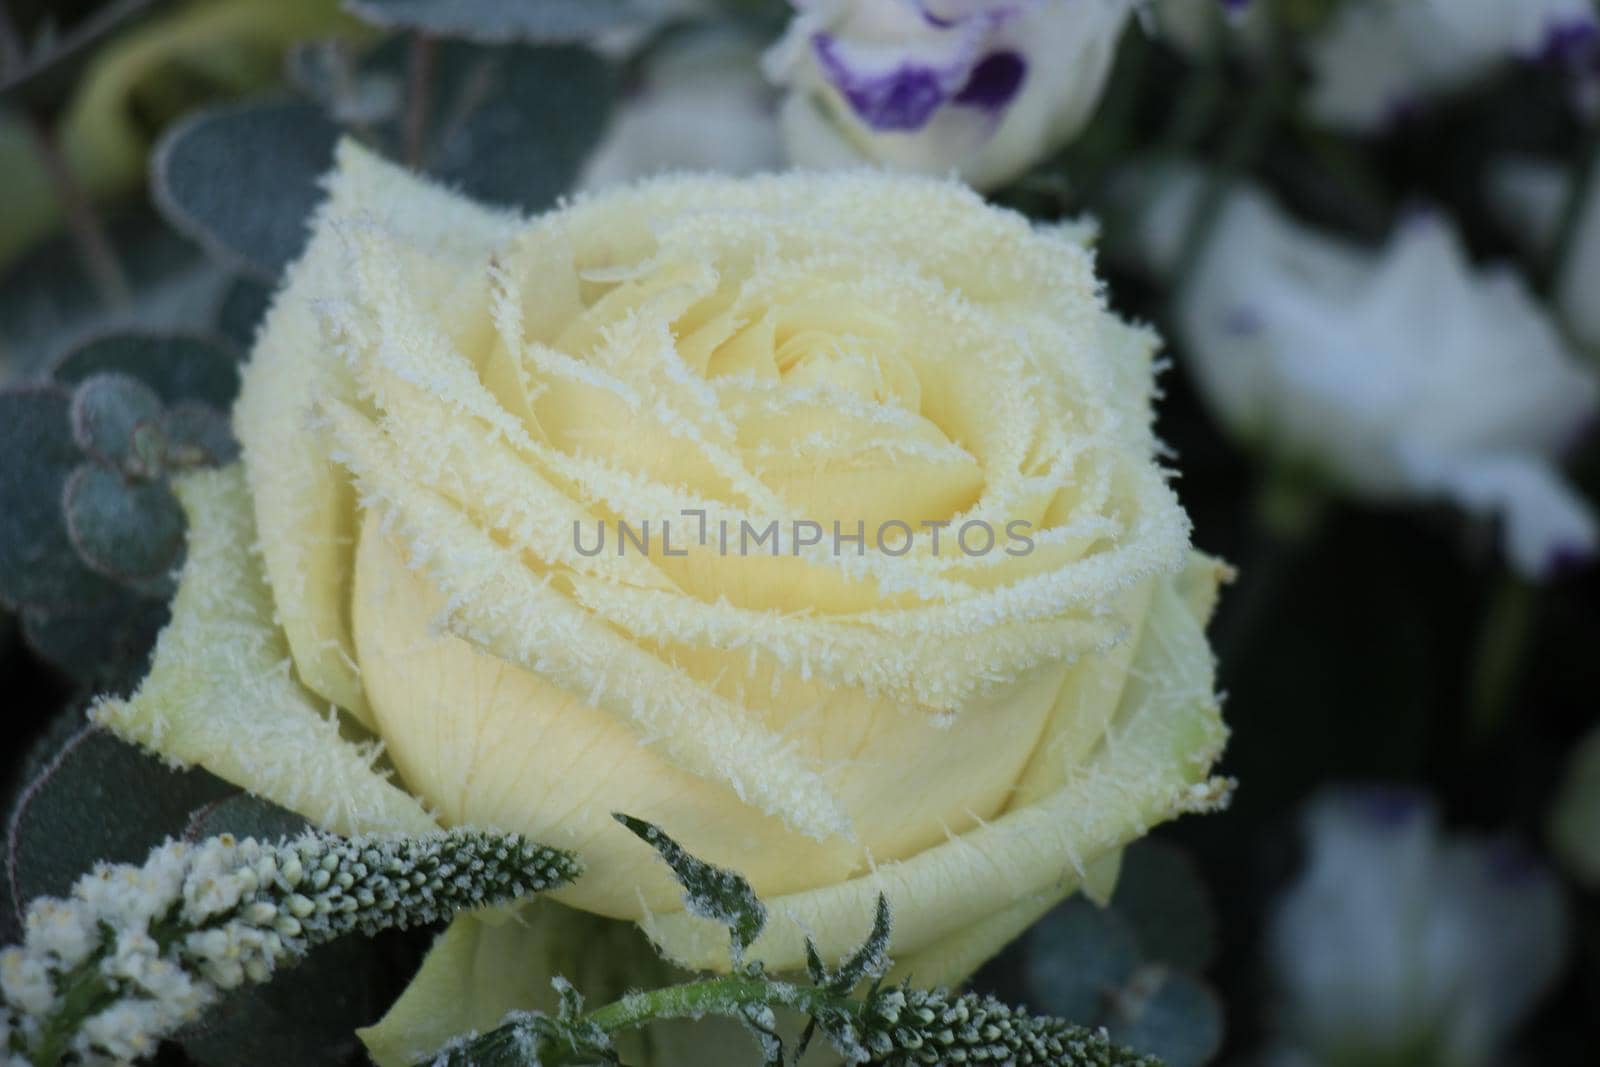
(243, 305)
(1078, 956)
(108, 411)
(178, 367)
(125, 528)
(502, 21)
(512, 125)
(708, 891)
(307, 1016)
(242, 180)
(104, 647)
(1163, 898)
(245, 815)
(1167, 1014)
(39, 567)
(96, 798)
(48, 302)
(197, 435)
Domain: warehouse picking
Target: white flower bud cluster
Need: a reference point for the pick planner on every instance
(137, 952)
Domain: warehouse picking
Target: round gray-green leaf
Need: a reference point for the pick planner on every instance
(104, 647)
(178, 367)
(1162, 896)
(39, 567)
(126, 529)
(499, 21)
(1169, 1015)
(1078, 956)
(242, 179)
(93, 798)
(198, 435)
(112, 416)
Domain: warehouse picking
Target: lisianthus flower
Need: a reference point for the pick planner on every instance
(1405, 372)
(1379, 59)
(982, 88)
(1401, 943)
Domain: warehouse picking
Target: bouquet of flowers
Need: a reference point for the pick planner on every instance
(697, 532)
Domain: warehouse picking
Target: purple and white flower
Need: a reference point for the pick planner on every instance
(1380, 59)
(1400, 373)
(982, 88)
(1532, 196)
(1401, 943)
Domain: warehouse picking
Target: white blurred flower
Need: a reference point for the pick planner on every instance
(1532, 197)
(702, 105)
(1403, 373)
(1399, 943)
(1379, 59)
(1198, 28)
(982, 88)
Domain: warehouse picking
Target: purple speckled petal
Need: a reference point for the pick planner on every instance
(995, 81)
(1386, 806)
(1567, 561)
(995, 12)
(902, 99)
(1233, 7)
(1571, 40)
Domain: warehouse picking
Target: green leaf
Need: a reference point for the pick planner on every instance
(49, 303)
(306, 1016)
(39, 567)
(197, 435)
(244, 304)
(245, 815)
(92, 798)
(1163, 898)
(104, 647)
(1077, 957)
(112, 416)
(1168, 1014)
(242, 180)
(178, 367)
(871, 960)
(499, 21)
(512, 125)
(708, 891)
(127, 529)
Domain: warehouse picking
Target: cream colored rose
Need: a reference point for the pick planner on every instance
(442, 396)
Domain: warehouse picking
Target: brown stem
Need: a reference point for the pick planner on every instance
(94, 247)
(419, 93)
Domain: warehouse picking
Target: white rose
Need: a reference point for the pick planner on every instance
(1379, 58)
(978, 87)
(1399, 373)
